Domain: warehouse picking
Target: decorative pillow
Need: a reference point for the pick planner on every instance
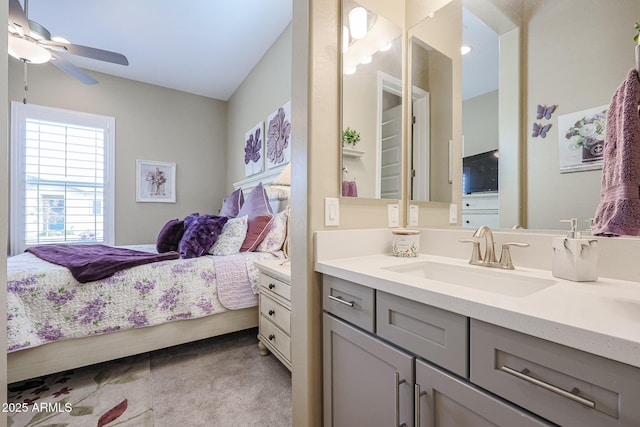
(170, 235)
(232, 237)
(201, 233)
(256, 207)
(231, 204)
(277, 234)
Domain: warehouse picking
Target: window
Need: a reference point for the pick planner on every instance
(61, 177)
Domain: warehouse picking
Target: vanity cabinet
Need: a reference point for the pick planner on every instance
(408, 367)
(480, 209)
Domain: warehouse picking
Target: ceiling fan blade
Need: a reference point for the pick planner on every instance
(71, 69)
(17, 17)
(88, 52)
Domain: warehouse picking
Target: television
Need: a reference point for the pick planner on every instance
(480, 172)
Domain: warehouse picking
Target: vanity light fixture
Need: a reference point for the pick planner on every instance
(385, 48)
(465, 49)
(358, 22)
(366, 59)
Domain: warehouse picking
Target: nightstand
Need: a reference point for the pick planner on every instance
(275, 310)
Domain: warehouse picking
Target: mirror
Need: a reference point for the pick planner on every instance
(431, 134)
(371, 101)
(575, 55)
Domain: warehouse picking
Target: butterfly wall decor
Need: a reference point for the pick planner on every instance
(540, 131)
(546, 112)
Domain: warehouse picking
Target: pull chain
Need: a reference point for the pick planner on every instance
(26, 86)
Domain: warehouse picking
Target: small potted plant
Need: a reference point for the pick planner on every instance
(350, 137)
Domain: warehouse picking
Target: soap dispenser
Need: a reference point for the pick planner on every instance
(574, 258)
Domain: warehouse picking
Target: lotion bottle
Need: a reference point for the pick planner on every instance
(574, 258)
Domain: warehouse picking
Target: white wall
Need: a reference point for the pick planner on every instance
(264, 90)
(152, 123)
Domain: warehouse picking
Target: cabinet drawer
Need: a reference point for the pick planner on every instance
(277, 313)
(276, 286)
(274, 337)
(349, 301)
(489, 201)
(431, 333)
(478, 219)
(564, 385)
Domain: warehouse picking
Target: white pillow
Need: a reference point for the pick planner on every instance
(277, 234)
(231, 238)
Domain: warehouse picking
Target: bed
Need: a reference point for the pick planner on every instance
(56, 323)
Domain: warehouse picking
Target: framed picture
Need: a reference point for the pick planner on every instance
(279, 136)
(155, 181)
(581, 139)
(253, 149)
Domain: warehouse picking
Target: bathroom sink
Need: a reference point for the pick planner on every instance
(502, 282)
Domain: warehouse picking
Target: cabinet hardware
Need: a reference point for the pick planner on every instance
(271, 312)
(398, 382)
(272, 285)
(272, 337)
(572, 395)
(341, 301)
(417, 394)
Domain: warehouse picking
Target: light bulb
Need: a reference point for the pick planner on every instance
(358, 22)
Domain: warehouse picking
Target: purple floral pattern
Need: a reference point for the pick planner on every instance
(253, 147)
(142, 296)
(278, 135)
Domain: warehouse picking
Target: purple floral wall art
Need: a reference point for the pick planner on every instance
(279, 136)
(581, 139)
(253, 150)
(155, 181)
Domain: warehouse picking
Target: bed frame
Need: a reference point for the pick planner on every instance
(74, 353)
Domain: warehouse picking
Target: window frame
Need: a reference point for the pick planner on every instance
(20, 112)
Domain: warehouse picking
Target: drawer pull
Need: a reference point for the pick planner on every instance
(417, 394)
(272, 285)
(572, 395)
(398, 382)
(341, 301)
(272, 337)
(271, 312)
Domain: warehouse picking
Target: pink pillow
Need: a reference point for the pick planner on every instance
(256, 207)
(231, 204)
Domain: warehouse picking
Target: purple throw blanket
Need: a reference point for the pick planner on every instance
(89, 262)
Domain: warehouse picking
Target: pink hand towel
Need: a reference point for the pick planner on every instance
(349, 189)
(619, 210)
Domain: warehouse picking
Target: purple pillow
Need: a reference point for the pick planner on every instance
(257, 208)
(170, 236)
(231, 205)
(200, 234)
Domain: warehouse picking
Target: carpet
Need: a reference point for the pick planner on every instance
(106, 394)
(220, 381)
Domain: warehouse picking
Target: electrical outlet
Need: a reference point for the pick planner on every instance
(414, 211)
(331, 211)
(394, 215)
(453, 213)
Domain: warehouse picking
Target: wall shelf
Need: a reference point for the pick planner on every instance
(352, 152)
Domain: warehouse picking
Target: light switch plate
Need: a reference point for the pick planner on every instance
(331, 211)
(453, 213)
(394, 215)
(414, 212)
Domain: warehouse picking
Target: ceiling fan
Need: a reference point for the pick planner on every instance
(32, 43)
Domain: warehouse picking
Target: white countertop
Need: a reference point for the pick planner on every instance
(601, 317)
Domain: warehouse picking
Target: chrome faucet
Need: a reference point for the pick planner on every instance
(489, 258)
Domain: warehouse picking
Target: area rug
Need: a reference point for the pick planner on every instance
(108, 394)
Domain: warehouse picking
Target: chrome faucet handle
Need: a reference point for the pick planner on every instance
(475, 255)
(505, 256)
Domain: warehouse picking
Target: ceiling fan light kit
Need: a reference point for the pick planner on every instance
(32, 43)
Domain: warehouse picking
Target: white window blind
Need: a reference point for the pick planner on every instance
(62, 177)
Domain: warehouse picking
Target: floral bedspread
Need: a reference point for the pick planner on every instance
(45, 302)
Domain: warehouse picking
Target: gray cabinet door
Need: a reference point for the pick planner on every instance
(364, 379)
(446, 401)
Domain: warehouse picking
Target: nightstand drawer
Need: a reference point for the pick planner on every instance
(275, 337)
(276, 286)
(278, 314)
(349, 301)
(564, 385)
